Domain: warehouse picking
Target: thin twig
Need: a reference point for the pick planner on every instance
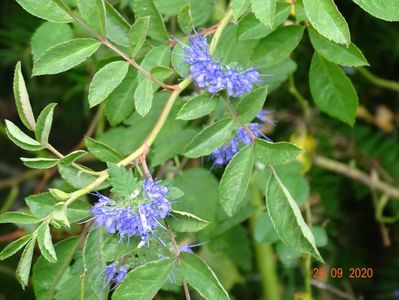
(355, 174)
(384, 83)
(331, 289)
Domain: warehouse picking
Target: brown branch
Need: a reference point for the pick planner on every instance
(355, 174)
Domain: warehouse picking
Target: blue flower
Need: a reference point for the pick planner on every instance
(115, 275)
(139, 217)
(211, 75)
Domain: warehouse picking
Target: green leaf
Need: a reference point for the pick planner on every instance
(117, 27)
(163, 149)
(156, 57)
(264, 10)
(71, 157)
(198, 275)
(93, 13)
(143, 282)
(106, 80)
(264, 231)
(42, 205)
(277, 45)
(327, 20)
(94, 264)
(44, 122)
(122, 180)
(18, 218)
(40, 162)
(45, 243)
(20, 138)
(387, 10)
(251, 104)
(14, 247)
(250, 28)
(182, 221)
(235, 180)
(185, 20)
(143, 96)
(320, 236)
(48, 35)
(47, 10)
(239, 7)
(76, 178)
(177, 59)
(22, 99)
(102, 151)
(336, 53)
(24, 265)
(332, 91)
(64, 56)
(197, 107)
(120, 103)
(210, 138)
(46, 277)
(275, 153)
(145, 8)
(114, 248)
(137, 34)
(287, 219)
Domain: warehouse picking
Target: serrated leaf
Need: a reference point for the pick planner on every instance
(106, 80)
(71, 157)
(210, 138)
(48, 35)
(137, 34)
(278, 153)
(336, 53)
(18, 218)
(264, 10)
(327, 20)
(64, 56)
(251, 104)
(94, 264)
(250, 27)
(197, 107)
(177, 59)
(145, 8)
(278, 45)
(24, 265)
(287, 219)
(161, 72)
(22, 99)
(156, 57)
(14, 247)
(93, 13)
(45, 243)
(184, 19)
(102, 151)
(117, 27)
(238, 7)
(387, 10)
(198, 275)
(143, 96)
(182, 221)
(47, 10)
(46, 277)
(20, 138)
(120, 103)
(40, 162)
(122, 180)
(235, 180)
(43, 125)
(143, 282)
(332, 91)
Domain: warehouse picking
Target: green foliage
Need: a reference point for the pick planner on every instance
(275, 153)
(44, 122)
(264, 10)
(197, 107)
(186, 222)
(93, 13)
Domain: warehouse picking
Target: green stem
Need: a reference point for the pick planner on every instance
(264, 254)
(12, 196)
(298, 96)
(384, 83)
(307, 263)
(223, 24)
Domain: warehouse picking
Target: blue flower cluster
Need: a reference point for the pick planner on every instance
(115, 275)
(134, 219)
(224, 154)
(211, 75)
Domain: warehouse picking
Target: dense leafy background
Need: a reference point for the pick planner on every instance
(343, 207)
